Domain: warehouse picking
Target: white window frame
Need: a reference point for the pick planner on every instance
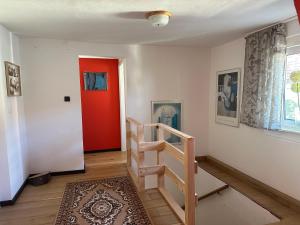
(287, 124)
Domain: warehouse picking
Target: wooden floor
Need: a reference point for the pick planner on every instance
(39, 205)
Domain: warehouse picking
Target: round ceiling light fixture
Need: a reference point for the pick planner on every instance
(158, 18)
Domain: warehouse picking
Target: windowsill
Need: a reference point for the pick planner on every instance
(287, 133)
(290, 126)
(290, 136)
(284, 130)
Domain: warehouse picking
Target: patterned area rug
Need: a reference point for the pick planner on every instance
(110, 201)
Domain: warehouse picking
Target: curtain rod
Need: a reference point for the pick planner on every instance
(283, 21)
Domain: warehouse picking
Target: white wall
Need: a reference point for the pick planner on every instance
(271, 157)
(13, 147)
(152, 73)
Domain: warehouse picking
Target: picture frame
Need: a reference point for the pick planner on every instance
(95, 81)
(170, 113)
(227, 110)
(13, 79)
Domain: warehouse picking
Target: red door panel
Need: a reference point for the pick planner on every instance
(297, 6)
(101, 109)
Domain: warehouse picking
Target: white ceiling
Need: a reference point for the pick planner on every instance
(194, 23)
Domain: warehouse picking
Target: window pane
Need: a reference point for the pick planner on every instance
(291, 97)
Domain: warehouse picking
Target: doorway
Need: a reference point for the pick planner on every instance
(100, 86)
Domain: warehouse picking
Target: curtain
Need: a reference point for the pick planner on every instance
(264, 78)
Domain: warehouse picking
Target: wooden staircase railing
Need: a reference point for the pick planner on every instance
(135, 133)
(216, 191)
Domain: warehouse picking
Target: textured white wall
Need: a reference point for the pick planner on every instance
(271, 157)
(152, 73)
(13, 151)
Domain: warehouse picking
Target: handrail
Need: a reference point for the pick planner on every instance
(186, 157)
(174, 131)
(216, 191)
(133, 121)
(169, 129)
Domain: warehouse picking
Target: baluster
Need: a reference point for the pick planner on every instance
(128, 143)
(140, 156)
(159, 161)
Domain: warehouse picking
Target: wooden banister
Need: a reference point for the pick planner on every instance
(141, 155)
(217, 191)
(176, 179)
(159, 160)
(131, 120)
(152, 146)
(175, 152)
(189, 178)
(185, 157)
(174, 131)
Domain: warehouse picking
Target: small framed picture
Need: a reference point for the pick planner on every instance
(228, 97)
(95, 81)
(169, 113)
(13, 79)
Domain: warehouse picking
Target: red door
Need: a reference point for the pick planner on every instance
(100, 108)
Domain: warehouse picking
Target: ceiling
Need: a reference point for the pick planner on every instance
(200, 23)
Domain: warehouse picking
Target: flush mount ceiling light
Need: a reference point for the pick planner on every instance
(158, 18)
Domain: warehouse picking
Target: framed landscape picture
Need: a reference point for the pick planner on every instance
(13, 79)
(95, 81)
(169, 113)
(228, 97)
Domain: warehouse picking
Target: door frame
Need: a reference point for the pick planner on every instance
(122, 94)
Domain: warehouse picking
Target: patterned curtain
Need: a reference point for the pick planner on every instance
(264, 78)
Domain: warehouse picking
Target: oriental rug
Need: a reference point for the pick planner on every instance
(109, 201)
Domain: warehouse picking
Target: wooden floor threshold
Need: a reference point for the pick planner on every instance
(284, 207)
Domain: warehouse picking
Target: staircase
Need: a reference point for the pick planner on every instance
(136, 149)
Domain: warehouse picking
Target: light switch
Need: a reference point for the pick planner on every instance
(67, 98)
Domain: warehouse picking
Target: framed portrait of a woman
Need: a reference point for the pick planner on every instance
(169, 113)
(228, 97)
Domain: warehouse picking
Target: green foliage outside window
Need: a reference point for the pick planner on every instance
(295, 78)
(290, 107)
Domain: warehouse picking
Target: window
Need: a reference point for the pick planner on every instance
(291, 109)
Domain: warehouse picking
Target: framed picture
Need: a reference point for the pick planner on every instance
(95, 81)
(169, 113)
(13, 79)
(228, 97)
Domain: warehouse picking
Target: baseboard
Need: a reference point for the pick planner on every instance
(264, 188)
(69, 172)
(11, 202)
(104, 150)
(201, 158)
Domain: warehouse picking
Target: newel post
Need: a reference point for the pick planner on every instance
(140, 156)
(159, 161)
(128, 143)
(189, 177)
